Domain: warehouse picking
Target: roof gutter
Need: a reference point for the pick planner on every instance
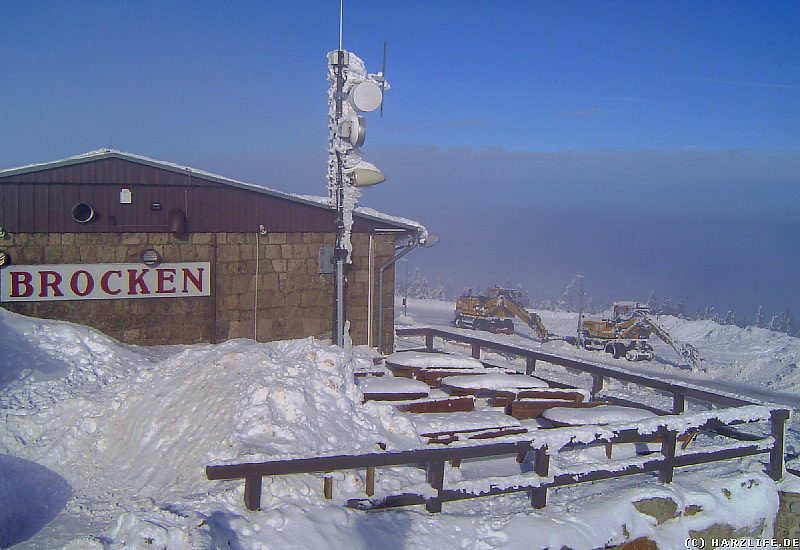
(419, 239)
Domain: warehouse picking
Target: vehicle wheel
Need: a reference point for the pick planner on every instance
(619, 350)
(478, 324)
(609, 349)
(458, 321)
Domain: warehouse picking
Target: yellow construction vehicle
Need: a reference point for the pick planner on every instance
(494, 311)
(627, 332)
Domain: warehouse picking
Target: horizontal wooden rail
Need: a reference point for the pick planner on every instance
(537, 442)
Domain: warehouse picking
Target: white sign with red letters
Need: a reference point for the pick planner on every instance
(43, 283)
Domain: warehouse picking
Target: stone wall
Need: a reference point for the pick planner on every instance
(295, 300)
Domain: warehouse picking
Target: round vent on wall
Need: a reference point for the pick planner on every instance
(82, 213)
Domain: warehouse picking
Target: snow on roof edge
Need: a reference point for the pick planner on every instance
(311, 200)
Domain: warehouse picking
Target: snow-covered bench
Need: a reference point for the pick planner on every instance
(451, 427)
(432, 368)
(526, 404)
(488, 385)
(446, 405)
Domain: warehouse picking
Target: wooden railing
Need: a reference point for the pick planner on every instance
(598, 372)
(542, 444)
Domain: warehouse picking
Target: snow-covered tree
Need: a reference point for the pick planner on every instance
(418, 285)
(760, 317)
(571, 296)
(730, 318)
(787, 321)
(710, 314)
(652, 302)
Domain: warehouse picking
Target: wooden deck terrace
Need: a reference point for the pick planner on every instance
(540, 445)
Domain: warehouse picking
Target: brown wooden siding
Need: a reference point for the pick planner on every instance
(41, 202)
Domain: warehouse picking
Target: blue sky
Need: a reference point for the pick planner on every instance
(646, 145)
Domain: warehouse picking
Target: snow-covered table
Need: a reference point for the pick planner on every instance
(389, 388)
(602, 414)
(423, 360)
(431, 368)
(488, 385)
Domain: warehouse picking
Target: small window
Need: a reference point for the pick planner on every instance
(82, 213)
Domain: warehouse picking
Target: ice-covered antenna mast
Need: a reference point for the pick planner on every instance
(351, 92)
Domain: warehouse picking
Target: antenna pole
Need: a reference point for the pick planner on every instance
(579, 340)
(340, 253)
(341, 11)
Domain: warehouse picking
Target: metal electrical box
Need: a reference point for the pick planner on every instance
(326, 263)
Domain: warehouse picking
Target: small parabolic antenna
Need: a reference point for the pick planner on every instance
(364, 177)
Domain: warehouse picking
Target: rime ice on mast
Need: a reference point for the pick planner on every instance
(351, 92)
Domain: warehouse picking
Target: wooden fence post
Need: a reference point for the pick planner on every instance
(370, 481)
(436, 479)
(678, 403)
(327, 487)
(429, 341)
(778, 420)
(530, 365)
(669, 440)
(597, 384)
(252, 493)
(541, 467)
(476, 350)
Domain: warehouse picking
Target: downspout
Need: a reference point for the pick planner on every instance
(371, 289)
(415, 242)
(255, 298)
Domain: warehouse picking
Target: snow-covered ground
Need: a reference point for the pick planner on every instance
(104, 445)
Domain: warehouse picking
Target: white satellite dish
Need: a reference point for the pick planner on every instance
(366, 96)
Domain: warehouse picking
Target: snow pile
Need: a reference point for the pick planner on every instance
(753, 355)
(131, 426)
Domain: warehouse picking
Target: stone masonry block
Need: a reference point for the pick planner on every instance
(277, 238)
(279, 266)
(200, 238)
(158, 238)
